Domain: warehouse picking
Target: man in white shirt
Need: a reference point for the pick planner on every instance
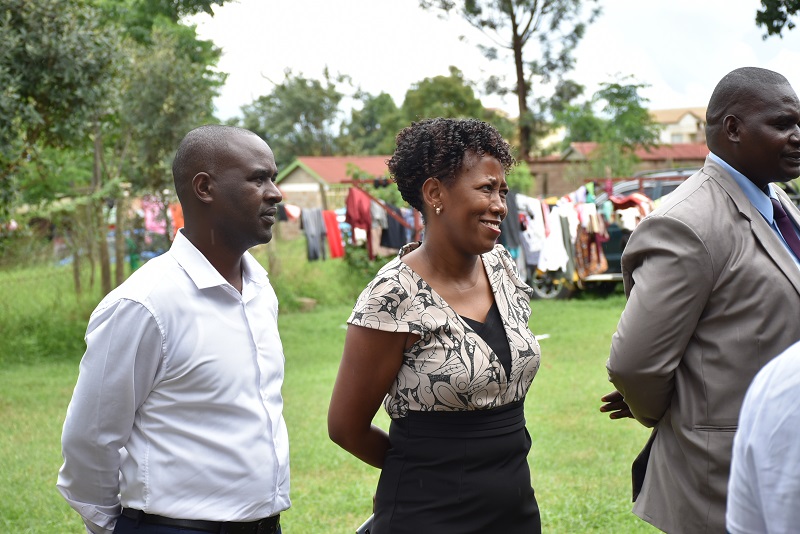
(176, 420)
(764, 487)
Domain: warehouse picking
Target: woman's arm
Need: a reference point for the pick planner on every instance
(370, 363)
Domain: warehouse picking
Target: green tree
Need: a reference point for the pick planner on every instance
(136, 18)
(621, 125)
(82, 100)
(442, 96)
(371, 129)
(520, 178)
(555, 25)
(297, 117)
(165, 93)
(55, 65)
(451, 96)
(774, 16)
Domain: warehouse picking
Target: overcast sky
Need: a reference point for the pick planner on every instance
(680, 48)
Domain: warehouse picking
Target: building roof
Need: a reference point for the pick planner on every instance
(675, 151)
(333, 169)
(672, 116)
(660, 152)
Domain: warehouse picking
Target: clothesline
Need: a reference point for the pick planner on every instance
(417, 228)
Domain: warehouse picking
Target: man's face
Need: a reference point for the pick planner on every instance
(769, 139)
(245, 192)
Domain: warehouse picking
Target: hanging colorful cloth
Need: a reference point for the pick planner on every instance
(334, 234)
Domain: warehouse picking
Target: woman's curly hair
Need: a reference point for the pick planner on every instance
(436, 148)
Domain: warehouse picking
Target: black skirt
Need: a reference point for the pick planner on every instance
(457, 472)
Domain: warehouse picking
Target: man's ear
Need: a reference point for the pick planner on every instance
(432, 190)
(202, 187)
(731, 126)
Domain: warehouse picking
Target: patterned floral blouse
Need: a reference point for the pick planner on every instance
(450, 367)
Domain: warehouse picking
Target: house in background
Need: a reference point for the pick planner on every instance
(323, 181)
(682, 125)
(557, 175)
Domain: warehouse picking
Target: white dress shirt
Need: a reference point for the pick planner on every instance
(764, 486)
(178, 410)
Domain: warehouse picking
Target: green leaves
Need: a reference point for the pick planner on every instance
(296, 117)
(55, 63)
(774, 16)
(554, 26)
(615, 118)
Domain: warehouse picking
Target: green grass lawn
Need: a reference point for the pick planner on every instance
(580, 460)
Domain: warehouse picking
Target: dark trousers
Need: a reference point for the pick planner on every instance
(126, 525)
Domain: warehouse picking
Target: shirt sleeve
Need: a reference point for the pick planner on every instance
(117, 372)
(744, 512)
(392, 302)
(668, 281)
(764, 485)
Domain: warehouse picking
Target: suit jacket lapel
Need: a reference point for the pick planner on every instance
(761, 230)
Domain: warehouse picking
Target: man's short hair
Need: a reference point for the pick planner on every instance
(735, 87)
(199, 152)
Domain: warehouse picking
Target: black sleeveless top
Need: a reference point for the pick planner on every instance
(494, 334)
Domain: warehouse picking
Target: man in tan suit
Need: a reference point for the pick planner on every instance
(713, 292)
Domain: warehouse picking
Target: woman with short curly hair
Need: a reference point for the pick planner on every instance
(441, 337)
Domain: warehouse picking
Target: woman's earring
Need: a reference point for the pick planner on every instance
(438, 210)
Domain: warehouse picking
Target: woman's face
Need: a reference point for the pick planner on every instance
(474, 204)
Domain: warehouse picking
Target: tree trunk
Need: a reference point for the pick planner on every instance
(119, 238)
(100, 221)
(76, 270)
(522, 95)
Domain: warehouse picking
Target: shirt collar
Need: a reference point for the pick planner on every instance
(203, 274)
(757, 197)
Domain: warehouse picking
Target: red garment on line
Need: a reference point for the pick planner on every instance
(358, 215)
(334, 234)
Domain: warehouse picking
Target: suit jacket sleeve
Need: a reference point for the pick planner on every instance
(668, 275)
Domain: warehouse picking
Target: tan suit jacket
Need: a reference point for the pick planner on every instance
(713, 295)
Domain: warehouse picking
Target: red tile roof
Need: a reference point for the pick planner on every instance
(661, 152)
(333, 169)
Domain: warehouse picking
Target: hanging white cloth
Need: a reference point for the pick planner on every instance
(554, 256)
(532, 238)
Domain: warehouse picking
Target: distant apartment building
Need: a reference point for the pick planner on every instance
(681, 125)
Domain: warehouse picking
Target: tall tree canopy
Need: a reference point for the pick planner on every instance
(137, 17)
(55, 64)
(617, 120)
(164, 94)
(371, 129)
(774, 16)
(450, 96)
(96, 93)
(442, 96)
(555, 25)
(296, 117)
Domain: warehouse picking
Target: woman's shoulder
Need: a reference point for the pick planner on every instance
(395, 281)
(499, 257)
(394, 300)
(503, 268)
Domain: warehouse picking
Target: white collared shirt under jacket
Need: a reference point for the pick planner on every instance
(178, 410)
